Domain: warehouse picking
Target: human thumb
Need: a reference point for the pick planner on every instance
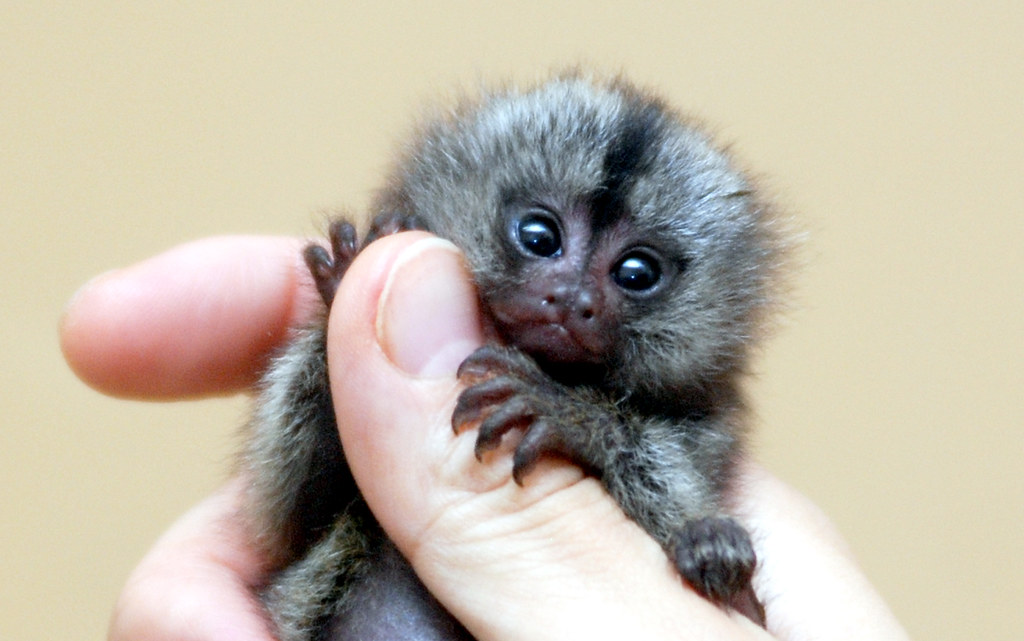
(404, 317)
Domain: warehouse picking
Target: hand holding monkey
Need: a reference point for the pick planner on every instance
(820, 592)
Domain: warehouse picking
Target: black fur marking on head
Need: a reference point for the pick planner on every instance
(627, 157)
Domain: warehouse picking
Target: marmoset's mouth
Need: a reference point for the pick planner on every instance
(551, 342)
(558, 352)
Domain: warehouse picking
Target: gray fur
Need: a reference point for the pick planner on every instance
(662, 423)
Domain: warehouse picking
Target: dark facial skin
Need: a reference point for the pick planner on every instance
(570, 283)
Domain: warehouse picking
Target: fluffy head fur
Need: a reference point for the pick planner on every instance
(636, 165)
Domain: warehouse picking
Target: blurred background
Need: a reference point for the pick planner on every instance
(892, 132)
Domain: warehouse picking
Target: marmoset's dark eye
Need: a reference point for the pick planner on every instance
(539, 236)
(637, 271)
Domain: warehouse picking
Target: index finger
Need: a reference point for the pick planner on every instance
(200, 319)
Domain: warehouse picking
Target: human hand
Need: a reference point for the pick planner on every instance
(555, 558)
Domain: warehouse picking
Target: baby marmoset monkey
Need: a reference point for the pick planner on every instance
(624, 262)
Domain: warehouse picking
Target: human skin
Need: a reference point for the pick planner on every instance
(553, 559)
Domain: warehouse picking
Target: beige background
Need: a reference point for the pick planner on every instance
(893, 131)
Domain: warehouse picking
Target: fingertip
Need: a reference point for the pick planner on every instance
(365, 285)
(199, 319)
(74, 329)
(101, 331)
(428, 318)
